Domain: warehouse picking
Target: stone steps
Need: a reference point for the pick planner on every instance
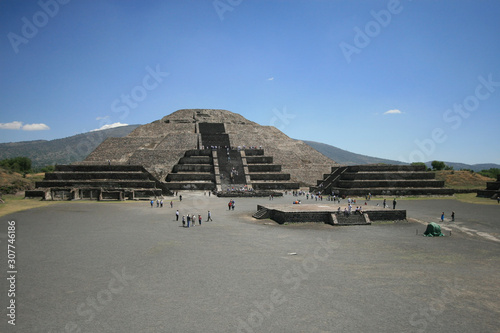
(393, 191)
(98, 183)
(264, 168)
(261, 214)
(351, 219)
(185, 176)
(381, 180)
(275, 185)
(392, 183)
(269, 176)
(398, 175)
(107, 175)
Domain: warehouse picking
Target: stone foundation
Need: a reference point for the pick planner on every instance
(315, 213)
(359, 180)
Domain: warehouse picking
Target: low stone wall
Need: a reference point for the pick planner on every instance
(192, 168)
(275, 186)
(387, 175)
(269, 176)
(34, 194)
(190, 186)
(493, 186)
(281, 217)
(95, 175)
(264, 168)
(91, 183)
(198, 152)
(196, 160)
(393, 191)
(98, 168)
(259, 159)
(254, 152)
(178, 177)
(248, 194)
(385, 168)
(389, 183)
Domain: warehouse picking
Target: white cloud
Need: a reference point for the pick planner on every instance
(35, 127)
(270, 79)
(15, 125)
(18, 125)
(393, 112)
(108, 126)
(101, 118)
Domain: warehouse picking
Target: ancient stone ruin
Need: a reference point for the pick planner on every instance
(492, 190)
(394, 180)
(191, 149)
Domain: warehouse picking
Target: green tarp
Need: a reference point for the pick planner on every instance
(433, 230)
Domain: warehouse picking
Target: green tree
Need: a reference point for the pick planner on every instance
(17, 164)
(492, 172)
(438, 165)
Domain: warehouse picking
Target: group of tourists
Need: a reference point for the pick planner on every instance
(190, 220)
(159, 203)
(348, 210)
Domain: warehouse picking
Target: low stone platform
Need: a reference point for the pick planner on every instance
(326, 213)
(359, 180)
(492, 190)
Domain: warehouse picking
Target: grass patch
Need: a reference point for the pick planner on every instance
(17, 203)
(463, 180)
(472, 198)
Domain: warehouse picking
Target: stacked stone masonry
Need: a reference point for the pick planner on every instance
(492, 190)
(160, 147)
(100, 182)
(381, 180)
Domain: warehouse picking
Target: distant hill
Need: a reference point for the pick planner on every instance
(474, 167)
(345, 157)
(76, 148)
(61, 151)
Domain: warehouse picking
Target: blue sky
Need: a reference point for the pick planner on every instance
(403, 80)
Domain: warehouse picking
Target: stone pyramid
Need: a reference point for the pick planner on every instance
(160, 145)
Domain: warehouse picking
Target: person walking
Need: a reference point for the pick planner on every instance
(193, 220)
(188, 218)
(183, 221)
(453, 216)
(442, 217)
(394, 202)
(385, 203)
(209, 218)
(199, 219)
(177, 215)
(152, 202)
(171, 204)
(232, 205)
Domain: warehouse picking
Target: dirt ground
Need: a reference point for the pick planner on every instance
(124, 266)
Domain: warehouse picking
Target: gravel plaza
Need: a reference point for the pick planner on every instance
(87, 266)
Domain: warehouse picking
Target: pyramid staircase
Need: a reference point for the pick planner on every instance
(194, 171)
(264, 174)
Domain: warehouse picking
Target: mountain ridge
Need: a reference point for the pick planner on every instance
(77, 147)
